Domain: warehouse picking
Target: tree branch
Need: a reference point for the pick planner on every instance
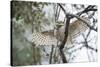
(87, 46)
(52, 49)
(89, 8)
(66, 35)
(86, 42)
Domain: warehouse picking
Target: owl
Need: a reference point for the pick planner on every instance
(51, 37)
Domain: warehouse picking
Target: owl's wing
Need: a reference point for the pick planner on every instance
(78, 27)
(47, 37)
(44, 38)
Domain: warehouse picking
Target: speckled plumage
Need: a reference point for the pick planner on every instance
(48, 38)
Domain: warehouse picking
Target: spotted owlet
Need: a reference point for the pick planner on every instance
(51, 37)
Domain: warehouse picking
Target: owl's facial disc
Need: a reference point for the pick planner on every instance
(60, 24)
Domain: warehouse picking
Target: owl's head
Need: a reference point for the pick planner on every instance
(59, 24)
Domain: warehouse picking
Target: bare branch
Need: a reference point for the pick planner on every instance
(52, 49)
(87, 46)
(89, 8)
(66, 35)
(86, 42)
